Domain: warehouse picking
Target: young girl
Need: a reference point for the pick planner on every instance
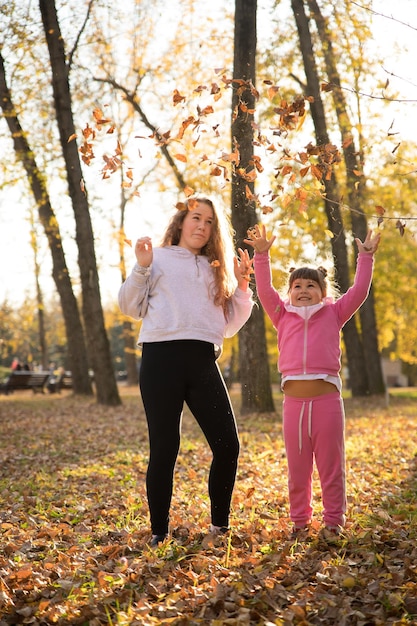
(186, 295)
(308, 327)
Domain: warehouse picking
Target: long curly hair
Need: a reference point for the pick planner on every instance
(218, 249)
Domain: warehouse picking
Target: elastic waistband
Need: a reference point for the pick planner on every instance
(320, 398)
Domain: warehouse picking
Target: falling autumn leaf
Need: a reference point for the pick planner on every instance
(401, 227)
(216, 171)
(177, 97)
(188, 191)
(99, 117)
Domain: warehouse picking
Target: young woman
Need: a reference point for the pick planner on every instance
(308, 327)
(189, 295)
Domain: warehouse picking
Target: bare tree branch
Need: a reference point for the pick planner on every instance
(132, 99)
(388, 17)
(80, 32)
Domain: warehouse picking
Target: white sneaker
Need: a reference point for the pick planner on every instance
(218, 530)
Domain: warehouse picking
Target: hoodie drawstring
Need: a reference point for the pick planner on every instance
(300, 424)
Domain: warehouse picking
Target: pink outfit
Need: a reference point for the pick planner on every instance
(314, 429)
(309, 345)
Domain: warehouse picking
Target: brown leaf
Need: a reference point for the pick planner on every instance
(401, 227)
(177, 97)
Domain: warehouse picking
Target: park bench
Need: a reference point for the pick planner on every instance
(35, 381)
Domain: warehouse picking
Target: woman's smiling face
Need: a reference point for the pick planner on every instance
(196, 228)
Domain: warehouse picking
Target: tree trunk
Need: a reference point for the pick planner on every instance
(77, 352)
(358, 378)
(39, 302)
(129, 338)
(355, 194)
(253, 357)
(97, 339)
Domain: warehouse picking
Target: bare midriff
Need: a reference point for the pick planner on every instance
(308, 388)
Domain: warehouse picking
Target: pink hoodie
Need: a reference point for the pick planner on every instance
(309, 337)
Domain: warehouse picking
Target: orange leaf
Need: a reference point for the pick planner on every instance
(301, 194)
(272, 91)
(98, 117)
(177, 97)
(244, 108)
(206, 111)
(287, 169)
(249, 194)
(232, 157)
(25, 572)
(316, 171)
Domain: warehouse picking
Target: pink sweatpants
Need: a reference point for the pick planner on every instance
(314, 429)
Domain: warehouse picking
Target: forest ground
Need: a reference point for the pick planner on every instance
(74, 522)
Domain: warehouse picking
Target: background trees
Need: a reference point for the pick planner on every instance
(97, 339)
(253, 361)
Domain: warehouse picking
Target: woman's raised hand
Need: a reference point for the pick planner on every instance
(258, 240)
(143, 251)
(243, 268)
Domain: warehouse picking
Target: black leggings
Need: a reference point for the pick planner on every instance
(171, 373)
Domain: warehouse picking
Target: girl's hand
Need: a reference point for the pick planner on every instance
(243, 268)
(258, 240)
(143, 251)
(370, 245)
